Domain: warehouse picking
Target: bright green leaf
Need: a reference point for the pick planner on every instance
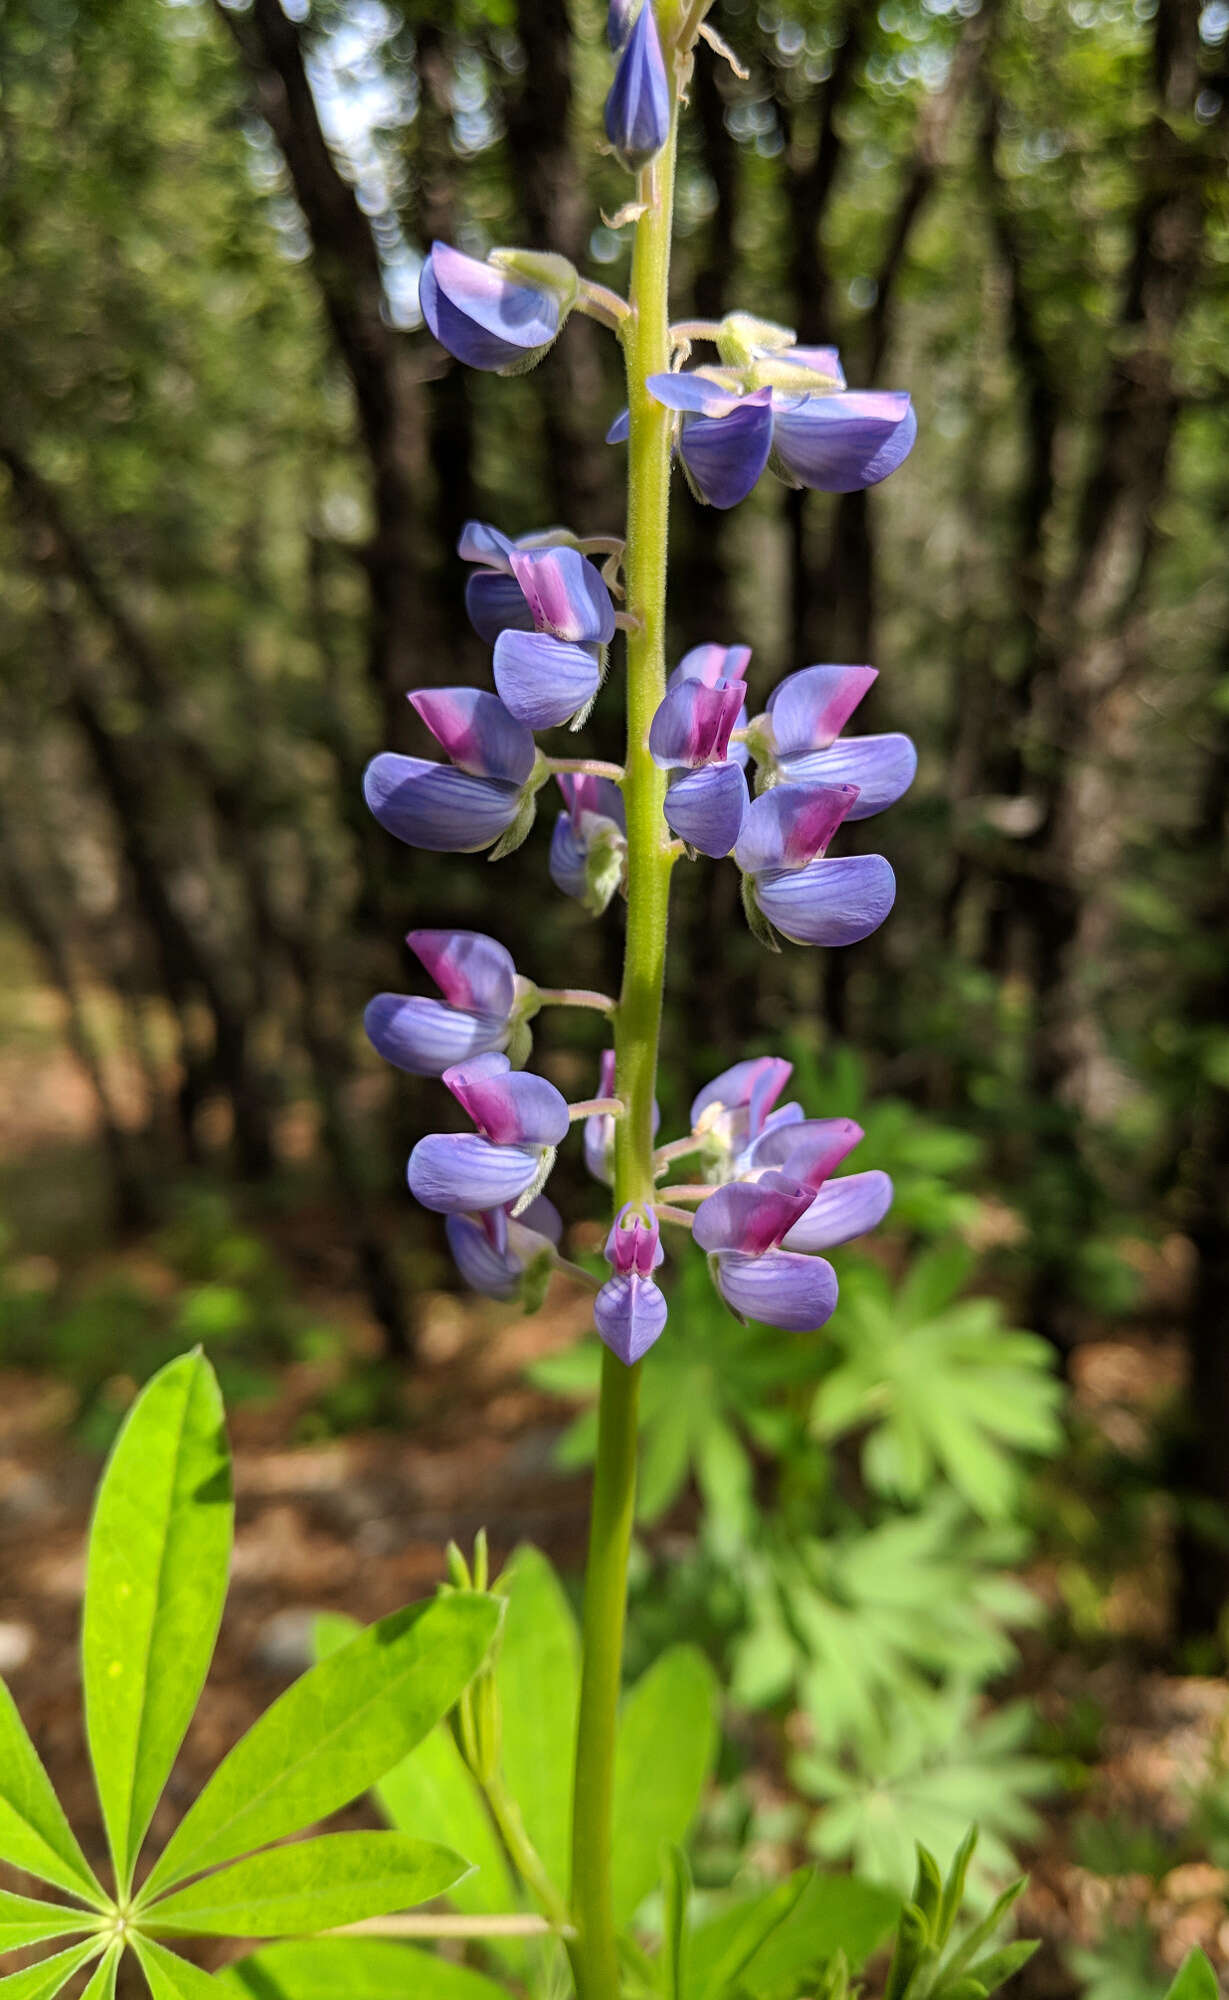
(341, 1726)
(41, 1981)
(34, 1834)
(1195, 1981)
(27, 1920)
(720, 1950)
(834, 1913)
(664, 1754)
(676, 1897)
(311, 1885)
(101, 1985)
(155, 1586)
(538, 1677)
(355, 1969)
(170, 1977)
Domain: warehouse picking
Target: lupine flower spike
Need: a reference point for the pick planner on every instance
(630, 1309)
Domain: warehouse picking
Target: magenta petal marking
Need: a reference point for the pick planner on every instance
(790, 825)
(809, 709)
(809, 1151)
(693, 724)
(882, 768)
(566, 594)
(471, 970)
(477, 731)
(712, 663)
(797, 1294)
(509, 1107)
(751, 1216)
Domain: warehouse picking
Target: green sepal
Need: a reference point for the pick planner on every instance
(545, 269)
(741, 338)
(605, 863)
(757, 923)
(518, 833)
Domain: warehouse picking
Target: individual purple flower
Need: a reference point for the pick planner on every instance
(588, 848)
(494, 600)
(733, 1112)
(728, 433)
(630, 1310)
(711, 663)
(638, 107)
(599, 1132)
(483, 1005)
(520, 1119)
(797, 739)
(743, 1226)
(690, 738)
(501, 315)
(483, 795)
(551, 673)
(787, 879)
(506, 1256)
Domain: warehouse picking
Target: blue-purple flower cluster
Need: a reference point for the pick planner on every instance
(765, 1198)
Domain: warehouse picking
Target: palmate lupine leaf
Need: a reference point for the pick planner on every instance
(101, 1985)
(333, 1733)
(433, 1793)
(170, 1977)
(939, 1385)
(313, 1885)
(34, 1834)
(155, 1585)
(352, 1969)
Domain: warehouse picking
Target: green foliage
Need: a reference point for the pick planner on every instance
(354, 1969)
(938, 1386)
(156, 1583)
(664, 1755)
(156, 1578)
(929, 1962)
(1195, 1981)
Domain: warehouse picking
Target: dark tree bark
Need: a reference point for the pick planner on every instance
(387, 395)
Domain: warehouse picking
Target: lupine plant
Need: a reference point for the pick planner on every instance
(548, 1809)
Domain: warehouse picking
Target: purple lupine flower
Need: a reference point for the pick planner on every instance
(743, 1226)
(506, 1256)
(733, 1112)
(551, 673)
(638, 107)
(630, 1310)
(728, 433)
(599, 1132)
(501, 315)
(796, 740)
(520, 1119)
(461, 808)
(588, 848)
(483, 1005)
(494, 600)
(690, 738)
(809, 899)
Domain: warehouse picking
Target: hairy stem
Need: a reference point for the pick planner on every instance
(647, 347)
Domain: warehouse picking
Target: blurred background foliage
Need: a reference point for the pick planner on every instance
(232, 472)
